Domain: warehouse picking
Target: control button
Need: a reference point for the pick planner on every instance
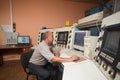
(98, 48)
(70, 36)
(103, 28)
(99, 61)
(109, 58)
(96, 58)
(109, 72)
(100, 38)
(70, 31)
(118, 65)
(105, 66)
(112, 73)
(69, 41)
(103, 54)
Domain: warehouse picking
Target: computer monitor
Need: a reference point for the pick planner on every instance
(62, 37)
(79, 39)
(110, 49)
(111, 41)
(23, 40)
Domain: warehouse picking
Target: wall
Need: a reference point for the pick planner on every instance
(2, 38)
(31, 15)
(4, 12)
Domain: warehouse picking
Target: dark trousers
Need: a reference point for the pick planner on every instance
(46, 72)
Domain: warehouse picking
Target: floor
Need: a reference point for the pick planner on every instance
(12, 70)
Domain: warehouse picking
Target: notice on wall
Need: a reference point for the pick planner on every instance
(7, 28)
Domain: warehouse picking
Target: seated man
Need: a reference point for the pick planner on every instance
(42, 54)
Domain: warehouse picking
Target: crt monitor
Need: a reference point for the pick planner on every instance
(23, 40)
(79, 39)
(111, 41)
(110, 49)
(62, 37)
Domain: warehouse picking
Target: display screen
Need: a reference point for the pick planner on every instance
(23, 40)
(79, 38)
(110, 49)
(111, 41)
(62, 37)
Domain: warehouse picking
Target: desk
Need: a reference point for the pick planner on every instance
(83, 70)
(12, 49)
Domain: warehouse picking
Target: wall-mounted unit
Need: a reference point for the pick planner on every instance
(94, 18)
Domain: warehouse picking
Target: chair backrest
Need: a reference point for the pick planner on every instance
(25, 57)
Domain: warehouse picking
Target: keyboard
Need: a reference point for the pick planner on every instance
(64, 55)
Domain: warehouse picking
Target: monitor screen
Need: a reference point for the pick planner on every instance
(62, 37)
(111, 41)
(23, 40)
(79, 39)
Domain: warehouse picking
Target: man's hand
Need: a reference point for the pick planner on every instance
(59, 59)
(75, 58)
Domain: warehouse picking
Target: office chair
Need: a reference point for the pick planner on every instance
(24, 61)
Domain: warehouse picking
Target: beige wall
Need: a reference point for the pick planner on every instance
(31, 15)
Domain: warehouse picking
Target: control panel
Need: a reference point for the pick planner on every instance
(64, 37)
(107, 61)
(108, 64)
